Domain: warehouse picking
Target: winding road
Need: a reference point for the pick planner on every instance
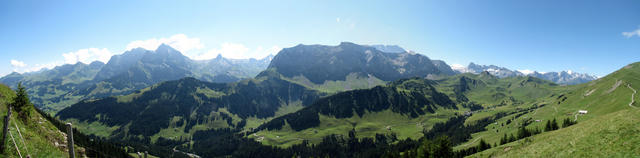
(632, 95)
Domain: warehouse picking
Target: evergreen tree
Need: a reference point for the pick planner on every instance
(441, 147)
(512, 138)
(547, 126)
(567, 122)
(504, 139)
(523, 132)
(554, 124)
(445, 147)
(21, 103)
(483, 145)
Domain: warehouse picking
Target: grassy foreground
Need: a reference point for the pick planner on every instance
(40, 136)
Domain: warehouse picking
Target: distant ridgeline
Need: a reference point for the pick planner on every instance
(563, 77)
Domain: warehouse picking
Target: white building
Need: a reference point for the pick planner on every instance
(582, 111)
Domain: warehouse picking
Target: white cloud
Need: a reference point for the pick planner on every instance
(17, 64)
(632, 33)
(38, 67)
(180, 42)
(21, 67)
(87, 56)
(338, 19)
(526, 72)
(229, 50)
(260, 52)
(237, 51)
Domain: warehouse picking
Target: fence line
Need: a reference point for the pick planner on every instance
(21, 138)
(14, 144)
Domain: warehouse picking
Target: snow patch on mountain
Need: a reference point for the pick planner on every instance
(526, 72)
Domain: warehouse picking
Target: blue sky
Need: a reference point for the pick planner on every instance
(595, 37)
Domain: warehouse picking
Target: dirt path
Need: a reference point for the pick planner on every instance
(613, 88)
(472, 141)
(632, 95)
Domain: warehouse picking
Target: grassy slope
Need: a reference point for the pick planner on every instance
(366, 126)
(608, 111)
(406, 127)
(612, 135)
(352, 81)
(40, 135)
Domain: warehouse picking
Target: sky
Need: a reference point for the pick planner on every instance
(595, 37)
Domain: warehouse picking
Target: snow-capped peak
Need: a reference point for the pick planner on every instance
(460, 68)
(563, 77)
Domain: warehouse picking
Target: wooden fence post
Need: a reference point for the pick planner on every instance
(145, 154)
(5, 129)
(72, 153)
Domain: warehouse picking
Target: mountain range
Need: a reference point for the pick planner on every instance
(564, 77)
(190, 104)
(135, 69)
(347, 100)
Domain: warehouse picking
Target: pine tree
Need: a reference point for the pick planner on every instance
(512, 138)
(523, 132)
(483, 145)
(567, 122)
(504, 139)
(445, 148)
(554, 125)
(21, 103)
(547, 127)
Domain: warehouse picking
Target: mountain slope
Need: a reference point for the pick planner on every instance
(40, 140)
(189, 105)
(608, 101)
(46, 87)
(405, 107)
(611, 135)
(38, 137)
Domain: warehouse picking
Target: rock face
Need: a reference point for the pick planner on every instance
(563, 77)
(321, 63)
(389, 48)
